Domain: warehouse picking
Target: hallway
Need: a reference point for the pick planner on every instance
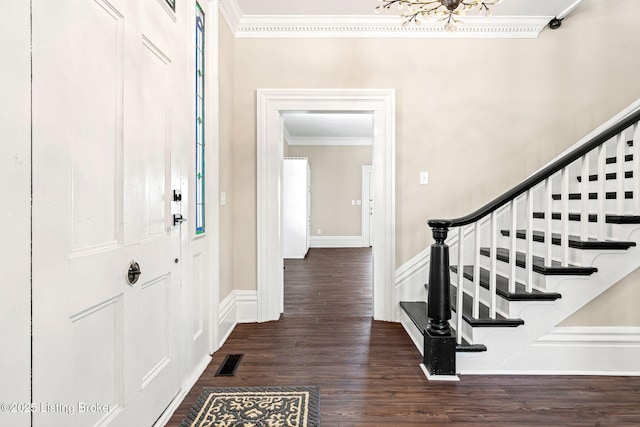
(369, 371)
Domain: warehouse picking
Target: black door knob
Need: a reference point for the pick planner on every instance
(133, 273)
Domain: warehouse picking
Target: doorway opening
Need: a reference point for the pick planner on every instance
(271, 104)
(325, 196)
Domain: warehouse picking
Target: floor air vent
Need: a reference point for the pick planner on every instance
(229, 365)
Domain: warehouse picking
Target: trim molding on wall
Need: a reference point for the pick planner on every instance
(610, 336)
(186, 387)
(237, 307)
(281, 26)
(270, 104)
(232, 14)
(277, 26)
(415, 265)
(336, 241)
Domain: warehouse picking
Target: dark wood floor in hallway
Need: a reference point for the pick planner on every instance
(369, 371)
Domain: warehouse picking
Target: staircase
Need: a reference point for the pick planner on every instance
(529, 259)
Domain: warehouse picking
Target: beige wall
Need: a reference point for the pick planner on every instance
(479, 115)
(336, 180)
(617, 306)
(226, 72)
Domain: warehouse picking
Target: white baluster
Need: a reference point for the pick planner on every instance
(529, 259)
(460, 298)
(494, 261)
(476, 272)
(584, 199)
(602, 162)
(564, 226)
(548, 220)
(513, 246)
(621, 143)
(635, 151)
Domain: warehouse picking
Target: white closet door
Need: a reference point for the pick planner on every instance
(295, 204)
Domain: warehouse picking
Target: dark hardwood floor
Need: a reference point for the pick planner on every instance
(369, 371)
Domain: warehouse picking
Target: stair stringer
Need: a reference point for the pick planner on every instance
(532, 348)
(412, 330)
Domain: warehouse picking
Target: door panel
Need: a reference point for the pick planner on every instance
(103, 167)
(96, 128)
(98, 359)
(155, 139)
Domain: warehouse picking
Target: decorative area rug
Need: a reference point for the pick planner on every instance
(255, 407)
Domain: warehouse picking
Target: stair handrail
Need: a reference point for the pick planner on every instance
(539, 176)
(439, 358)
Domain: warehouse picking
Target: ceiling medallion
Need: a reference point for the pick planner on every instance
(444, 10)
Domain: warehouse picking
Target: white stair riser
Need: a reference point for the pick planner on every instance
(612, 231)
(610, 206)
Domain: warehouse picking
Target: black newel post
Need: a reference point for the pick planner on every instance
(439, 338)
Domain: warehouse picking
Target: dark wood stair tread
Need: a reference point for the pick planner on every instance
(502, 286)
(417, 312)
(539, 265)
(484, 319)
(610, 195)
(574, 241)
(610, 219)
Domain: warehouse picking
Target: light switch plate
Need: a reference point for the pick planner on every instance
(424, 178)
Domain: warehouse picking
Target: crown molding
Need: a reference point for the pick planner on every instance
(322, 26)
(232, 14)
(283, 26)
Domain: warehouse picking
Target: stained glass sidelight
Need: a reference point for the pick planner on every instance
(199, 120)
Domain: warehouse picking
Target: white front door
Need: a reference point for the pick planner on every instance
(104, 167)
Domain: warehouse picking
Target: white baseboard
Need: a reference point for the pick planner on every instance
(237, 307)
(570, 351)
(247, 306)
(186, 387)
(438, 377)
(336, 242)
(609, 336)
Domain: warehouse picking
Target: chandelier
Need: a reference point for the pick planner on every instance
(446, 10)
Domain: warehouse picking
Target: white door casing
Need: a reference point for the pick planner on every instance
(270, 104)
(104, 166)
(367, 205)
(15, 172)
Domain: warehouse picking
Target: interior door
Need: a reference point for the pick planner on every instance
(104, 169)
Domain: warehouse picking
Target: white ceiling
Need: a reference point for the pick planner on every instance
(357, 18)
(328, 128)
